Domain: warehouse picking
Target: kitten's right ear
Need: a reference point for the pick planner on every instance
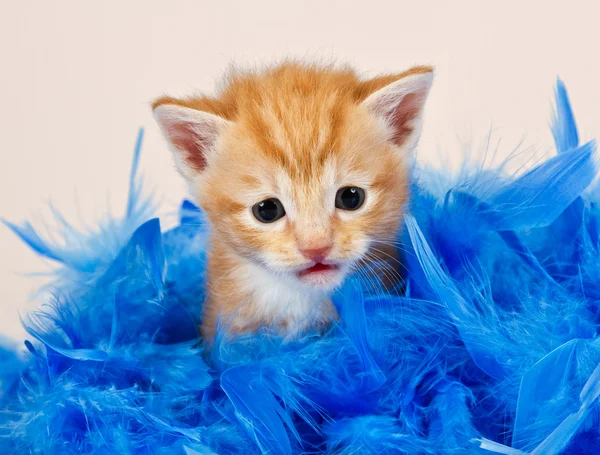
(192, 135)
(400, 104)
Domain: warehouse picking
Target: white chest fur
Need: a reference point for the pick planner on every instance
(282, 303)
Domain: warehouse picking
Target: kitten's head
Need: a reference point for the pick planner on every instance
(300, 170)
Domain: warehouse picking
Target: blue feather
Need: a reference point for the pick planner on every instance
(564, 128)
(537, 198)
(257, 410)
(352, 312)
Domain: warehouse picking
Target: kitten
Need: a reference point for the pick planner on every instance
(302, 173)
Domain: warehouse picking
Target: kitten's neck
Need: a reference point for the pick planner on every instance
(244, 296)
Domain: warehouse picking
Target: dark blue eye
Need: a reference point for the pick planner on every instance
(268, 211)
(349, 198)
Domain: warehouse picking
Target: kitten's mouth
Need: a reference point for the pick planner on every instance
(318, 269)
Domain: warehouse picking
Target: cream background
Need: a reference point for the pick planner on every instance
(76, 78)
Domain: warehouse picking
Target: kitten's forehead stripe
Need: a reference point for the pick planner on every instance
(301, 133)
(265, 141)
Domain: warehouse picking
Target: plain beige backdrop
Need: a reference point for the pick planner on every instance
(76, 78)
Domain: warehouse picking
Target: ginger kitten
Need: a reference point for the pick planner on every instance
(302, 173)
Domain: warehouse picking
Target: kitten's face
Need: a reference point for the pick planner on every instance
(305, 204)
(301, 171)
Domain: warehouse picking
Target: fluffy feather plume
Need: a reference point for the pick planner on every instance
(493, 347)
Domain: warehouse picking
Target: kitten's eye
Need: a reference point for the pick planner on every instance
(268, 211)
(349, 198)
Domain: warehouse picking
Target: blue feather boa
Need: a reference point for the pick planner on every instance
(492, 348)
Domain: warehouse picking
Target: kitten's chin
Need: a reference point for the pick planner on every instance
(321, 277)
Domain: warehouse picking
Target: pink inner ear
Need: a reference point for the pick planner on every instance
(185, 138)
(401, 119)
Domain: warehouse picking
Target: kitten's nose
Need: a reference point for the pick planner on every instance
(316, 254)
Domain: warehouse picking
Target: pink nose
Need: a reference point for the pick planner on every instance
(316, 254)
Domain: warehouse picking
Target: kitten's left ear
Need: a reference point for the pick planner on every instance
(400, 105)
(192, 135)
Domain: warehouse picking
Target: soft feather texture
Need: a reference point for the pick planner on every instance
(491, 348)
